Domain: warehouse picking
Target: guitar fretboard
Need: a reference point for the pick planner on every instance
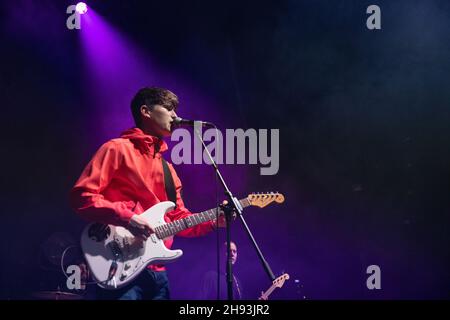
(172, 228)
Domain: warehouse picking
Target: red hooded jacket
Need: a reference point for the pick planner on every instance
(126, 177)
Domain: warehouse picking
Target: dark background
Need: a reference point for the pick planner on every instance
(364, 135)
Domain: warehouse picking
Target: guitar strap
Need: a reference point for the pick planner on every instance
(168, 182)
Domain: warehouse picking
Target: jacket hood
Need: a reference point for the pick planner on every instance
(144, 142)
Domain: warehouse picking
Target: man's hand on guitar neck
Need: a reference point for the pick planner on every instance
(222, 219)
(139, 227)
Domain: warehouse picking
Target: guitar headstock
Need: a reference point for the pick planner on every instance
(263, 199)
(278, 282)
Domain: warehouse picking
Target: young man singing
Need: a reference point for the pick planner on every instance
(126, 177)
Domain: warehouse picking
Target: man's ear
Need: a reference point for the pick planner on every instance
(145, 111)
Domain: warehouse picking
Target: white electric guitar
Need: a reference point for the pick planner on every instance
(115, 256)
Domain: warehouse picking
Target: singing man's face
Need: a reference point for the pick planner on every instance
(160, 120)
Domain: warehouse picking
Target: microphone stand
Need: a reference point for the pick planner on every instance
(232, 205)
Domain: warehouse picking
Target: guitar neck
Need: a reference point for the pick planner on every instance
(268, 292)
(172, 228)
(277, 283)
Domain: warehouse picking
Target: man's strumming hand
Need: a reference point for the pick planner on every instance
(139, 227)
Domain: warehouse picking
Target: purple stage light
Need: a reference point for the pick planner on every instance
(81, 8)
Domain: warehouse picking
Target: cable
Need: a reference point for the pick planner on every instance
(64, 272)
(62, 260)
(217, 235)
(217, 219)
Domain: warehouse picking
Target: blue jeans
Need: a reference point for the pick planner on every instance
(149, 285)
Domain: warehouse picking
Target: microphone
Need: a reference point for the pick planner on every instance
(180, 122)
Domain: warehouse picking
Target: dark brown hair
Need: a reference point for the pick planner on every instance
(151, 96)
